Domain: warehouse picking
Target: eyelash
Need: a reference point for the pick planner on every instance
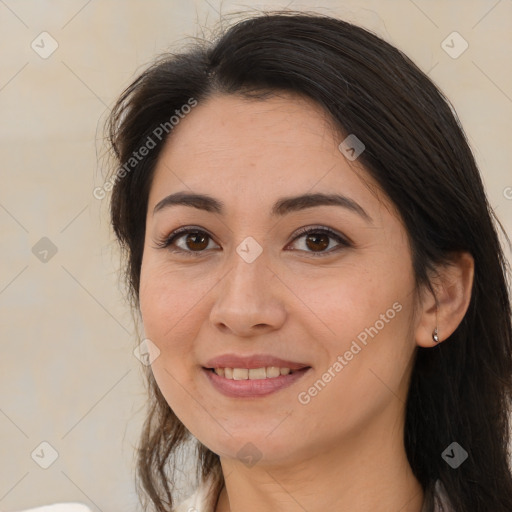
(165, 243)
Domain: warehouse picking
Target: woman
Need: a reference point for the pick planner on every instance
(319, 278)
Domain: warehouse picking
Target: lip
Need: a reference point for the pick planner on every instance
(251, 362)
(253, 388)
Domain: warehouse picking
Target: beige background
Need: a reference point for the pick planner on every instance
(68, 374)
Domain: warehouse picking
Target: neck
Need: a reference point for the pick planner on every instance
(368, 472)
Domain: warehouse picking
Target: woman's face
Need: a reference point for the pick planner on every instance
(250, 284)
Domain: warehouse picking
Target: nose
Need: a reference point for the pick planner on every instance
(248, 301)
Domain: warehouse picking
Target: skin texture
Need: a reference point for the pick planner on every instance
(343, 450)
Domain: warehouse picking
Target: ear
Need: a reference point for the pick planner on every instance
(452, 285)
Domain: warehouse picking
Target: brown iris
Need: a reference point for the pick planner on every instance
(318, 239)
(200, 239)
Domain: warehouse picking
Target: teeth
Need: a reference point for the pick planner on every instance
(269, 372)
(273, 371)
(256, 373)
(240, 374)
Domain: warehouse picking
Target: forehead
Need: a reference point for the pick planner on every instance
(255, 150)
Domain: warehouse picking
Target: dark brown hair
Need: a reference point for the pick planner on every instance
(417, 152)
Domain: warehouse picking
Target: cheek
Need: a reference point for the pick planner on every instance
(171, 302)
(364, 315)
(364, 370)
(168, 308)
(353, 297)
(161, 291)
(161, 306)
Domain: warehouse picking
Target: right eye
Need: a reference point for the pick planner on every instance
(192, 241)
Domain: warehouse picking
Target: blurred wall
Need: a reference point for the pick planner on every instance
(68, 376)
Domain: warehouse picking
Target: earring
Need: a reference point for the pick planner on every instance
(435, 335)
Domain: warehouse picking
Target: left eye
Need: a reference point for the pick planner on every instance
(195, 241)
(319, 238)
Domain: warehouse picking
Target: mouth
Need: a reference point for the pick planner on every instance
(262, 373)
(252, 383)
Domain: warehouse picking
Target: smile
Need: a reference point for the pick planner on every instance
(269, 372)
(254, 382)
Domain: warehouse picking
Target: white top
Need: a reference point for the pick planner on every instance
(197, 501)
(60, 507)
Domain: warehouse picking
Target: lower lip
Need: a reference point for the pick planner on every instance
(253, 388)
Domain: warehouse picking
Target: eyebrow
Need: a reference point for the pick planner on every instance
(281, 207)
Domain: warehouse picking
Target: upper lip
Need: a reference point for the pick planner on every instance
(254, 361)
